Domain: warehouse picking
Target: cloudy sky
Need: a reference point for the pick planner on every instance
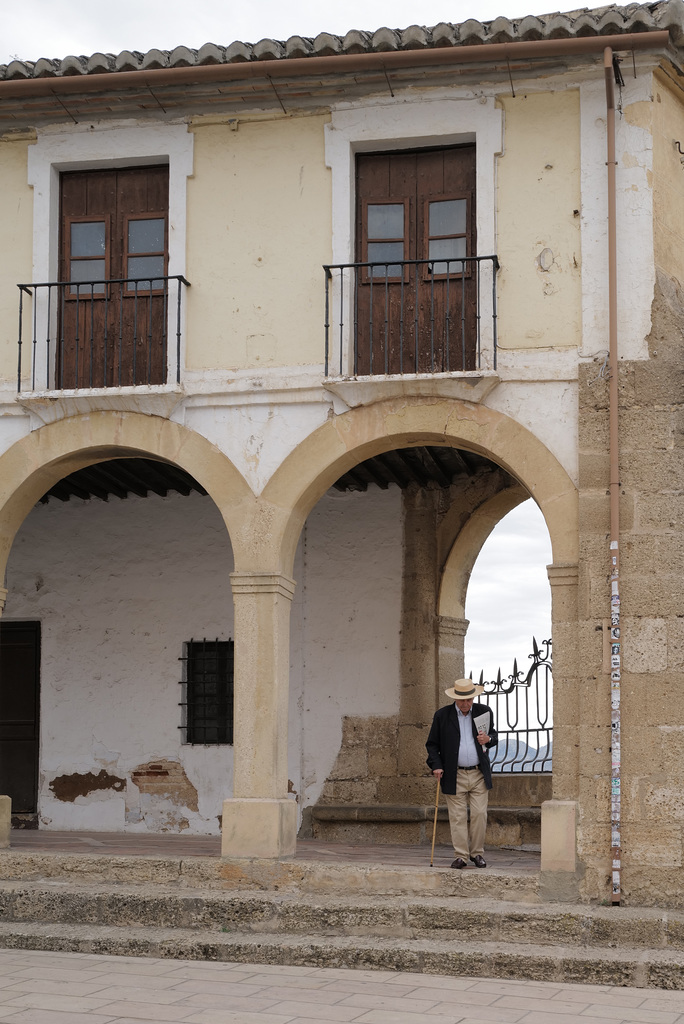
(46, 28)
(509, 598)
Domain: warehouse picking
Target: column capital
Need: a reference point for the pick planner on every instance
(452, 628)
(262, 583)
(564, 574)
(3, 598)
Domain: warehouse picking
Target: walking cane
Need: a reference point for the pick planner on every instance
(434, 827)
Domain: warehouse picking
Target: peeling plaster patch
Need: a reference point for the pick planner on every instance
(166, 780)
(68, 787)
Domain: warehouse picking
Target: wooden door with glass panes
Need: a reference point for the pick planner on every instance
(415, 206)
(112, 320)
(19, 713)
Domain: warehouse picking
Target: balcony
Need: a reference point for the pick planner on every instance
(411, 317)
(115, 333)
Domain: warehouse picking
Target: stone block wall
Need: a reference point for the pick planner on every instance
(651, 422)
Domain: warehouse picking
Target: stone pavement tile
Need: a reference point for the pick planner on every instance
(146, 970)
(319, 996)
(115, 1020)
(619, 997)
(204, 1000)
(58, 988)
(532, 990)
(294, 982)
(35, 1016)
(382, 989)
(132, 979)
(135, 993)
(146, 1011)
(200, 972)
(52, 974)
(439, 980)
(333, 1012)
(460, 997)
(224, 988)
(373, 1002)
(637, 1014)
(41, 1001)
(490, 1014)
(284, 970)
(550, 1017)
(400, 1017)
(557, 1006)
(663, 1000)
(227, 1017)
(342, 973)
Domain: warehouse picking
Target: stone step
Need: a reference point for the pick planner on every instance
(308, 876)
(626, 966)
(400, 917)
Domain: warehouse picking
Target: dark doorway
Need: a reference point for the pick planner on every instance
(19, 711)
(415, 317)
(113, 232)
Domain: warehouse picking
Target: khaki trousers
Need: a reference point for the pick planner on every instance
(468, 841)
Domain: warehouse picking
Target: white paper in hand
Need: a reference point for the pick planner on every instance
(482, 723)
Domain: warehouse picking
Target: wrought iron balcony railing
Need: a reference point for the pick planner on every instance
(523, 712)
(119, 332)
(412, 316)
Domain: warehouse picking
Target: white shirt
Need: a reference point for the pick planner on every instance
(467, 751)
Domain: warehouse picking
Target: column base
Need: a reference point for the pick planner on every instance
(560, 875)
(259, 828)
(5, 821)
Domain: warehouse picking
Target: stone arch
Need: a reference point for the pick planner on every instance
(345, 440)
(349, 438)
(32, 465)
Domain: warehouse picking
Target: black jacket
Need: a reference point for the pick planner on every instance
(444, 739)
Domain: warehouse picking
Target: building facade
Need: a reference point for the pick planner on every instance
(298, 324)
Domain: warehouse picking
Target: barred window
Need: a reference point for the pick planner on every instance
(207, 705)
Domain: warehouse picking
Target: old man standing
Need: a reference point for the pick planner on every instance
(458, 756)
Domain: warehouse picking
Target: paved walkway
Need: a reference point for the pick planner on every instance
(165, 845)
(73, 988)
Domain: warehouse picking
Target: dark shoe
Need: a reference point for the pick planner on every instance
(479, 861)
(459, 863)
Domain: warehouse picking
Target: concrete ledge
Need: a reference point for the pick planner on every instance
(412, 824)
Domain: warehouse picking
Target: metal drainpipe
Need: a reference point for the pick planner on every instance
(614, 552)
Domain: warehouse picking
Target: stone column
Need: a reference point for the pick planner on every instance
(452, 634)
(419, 684)
(5, 801)
(559, 867)
(260, 820)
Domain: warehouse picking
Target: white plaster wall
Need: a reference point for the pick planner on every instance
(634, 201)
(347, 610)
(119, 586)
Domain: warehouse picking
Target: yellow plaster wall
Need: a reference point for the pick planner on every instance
(538, 192)
(668, 177)
(16, 260)
(259, 231)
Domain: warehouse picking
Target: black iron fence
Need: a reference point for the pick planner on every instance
(412, 316)
(523, 712)
(100, 333)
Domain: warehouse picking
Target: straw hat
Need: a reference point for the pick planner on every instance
(464, 689)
